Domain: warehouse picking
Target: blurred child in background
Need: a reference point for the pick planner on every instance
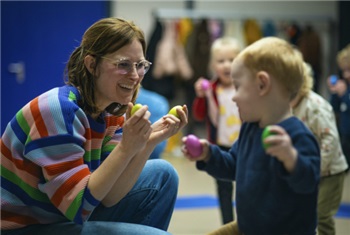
(317, 114)
(214, 105)
(276, 187)
(340, 99)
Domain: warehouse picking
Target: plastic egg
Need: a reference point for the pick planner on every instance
(266, 133)
(193, 146)
(174, 112)
(205, 84)
(333, 79)
(135, 108)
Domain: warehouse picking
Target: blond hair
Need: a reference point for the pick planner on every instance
(343, 57)
(308, 81)
(278, 58)
(227, 42)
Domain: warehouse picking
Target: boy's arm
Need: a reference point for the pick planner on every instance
(280, 146)
(300, 158)
(221, 164)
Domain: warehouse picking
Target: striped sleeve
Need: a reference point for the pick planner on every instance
(53, 130)
(113, 134)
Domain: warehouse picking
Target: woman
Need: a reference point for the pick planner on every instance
(74, 160)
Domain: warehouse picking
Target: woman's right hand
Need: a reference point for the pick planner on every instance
(136, 129)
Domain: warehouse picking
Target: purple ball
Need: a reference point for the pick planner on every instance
(205, 84)
(193, 146)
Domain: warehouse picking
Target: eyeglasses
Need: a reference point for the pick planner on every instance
(124, 66)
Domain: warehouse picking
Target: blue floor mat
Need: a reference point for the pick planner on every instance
(207, 201)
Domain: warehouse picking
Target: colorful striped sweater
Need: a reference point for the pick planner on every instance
(48, 152)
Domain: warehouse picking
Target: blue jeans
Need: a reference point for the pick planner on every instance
(146, 209)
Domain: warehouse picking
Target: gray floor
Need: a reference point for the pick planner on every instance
(203, 220)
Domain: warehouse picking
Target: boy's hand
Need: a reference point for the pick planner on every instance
(204, 156)
(280, 146)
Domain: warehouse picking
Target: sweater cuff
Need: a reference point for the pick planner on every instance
(202, 165)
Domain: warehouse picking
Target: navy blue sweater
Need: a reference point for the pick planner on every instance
(269, 200)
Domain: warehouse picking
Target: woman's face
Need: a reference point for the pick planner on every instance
(112, 86)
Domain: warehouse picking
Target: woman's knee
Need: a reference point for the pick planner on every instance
(164, 171)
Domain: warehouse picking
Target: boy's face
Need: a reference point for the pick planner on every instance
(221, 63)
(247, 91)
(345, 69)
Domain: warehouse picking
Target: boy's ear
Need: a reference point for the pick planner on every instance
(89, 62)
(264, 82)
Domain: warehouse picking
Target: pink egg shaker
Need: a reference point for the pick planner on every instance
(193, 146)
(205, 84)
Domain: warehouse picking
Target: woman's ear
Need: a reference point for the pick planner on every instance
(89, 62)
(264, 82)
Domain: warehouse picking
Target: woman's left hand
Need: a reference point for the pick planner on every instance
(169, 125)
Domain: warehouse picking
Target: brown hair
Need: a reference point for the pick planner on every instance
(103, 37)
(278, 58)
